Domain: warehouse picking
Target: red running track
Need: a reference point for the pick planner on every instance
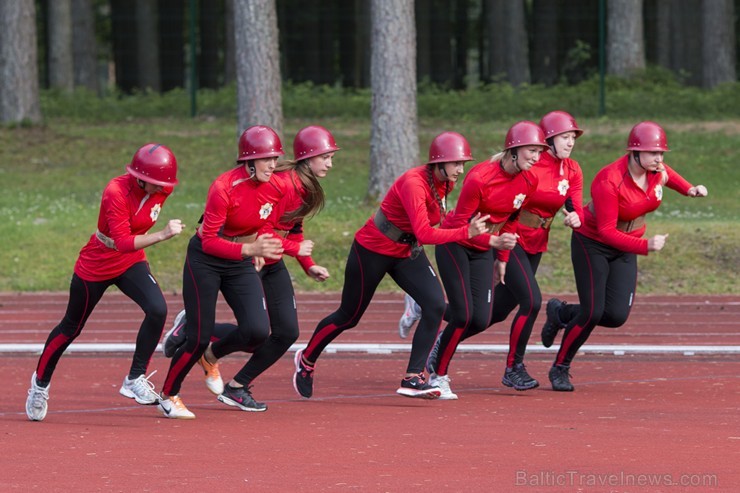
(635, 422)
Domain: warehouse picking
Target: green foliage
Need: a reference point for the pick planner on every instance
(54, 174)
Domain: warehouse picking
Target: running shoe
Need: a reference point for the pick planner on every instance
(416, 386)
(174, 408)
(241, 397)
(212, 376)
(518, 378)
(175, 337)
(560, 378)
(411, 314)
(140, 389)
(303, 376)
(36, 405)
(443, 382)
(553, 323)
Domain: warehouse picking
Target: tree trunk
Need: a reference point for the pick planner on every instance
(147, 53)
(625, 42)
(171, 44)
(394, 143)
(84, 45)
(123, 33)
(229, 45)
(423, 41)
(495, 32)
(508, 42)
(663, 46)
(718, 46)
(440, 36)
(61, 74)
(259, 100)
(209, 66)
(545, 42)
(462, 43)
(19, 97)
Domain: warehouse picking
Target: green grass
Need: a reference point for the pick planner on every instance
(53, 176)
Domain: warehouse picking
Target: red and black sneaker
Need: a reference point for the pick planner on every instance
(303, 376)
(416, 386)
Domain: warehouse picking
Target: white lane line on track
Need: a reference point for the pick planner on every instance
(388, 348)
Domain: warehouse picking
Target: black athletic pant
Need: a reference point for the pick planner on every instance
(281, 306)
(363, 272)
(606, 280)
(520, 288)
(138, 284)
(467, 276)
(203, 277)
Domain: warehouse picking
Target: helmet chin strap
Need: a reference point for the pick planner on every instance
(443, 171)
(551, 143)
(636, 157)
(515, 159)
(252, 170)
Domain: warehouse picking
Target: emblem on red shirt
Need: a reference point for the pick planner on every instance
(266, 210)
(154, 213)
(659, 192)
(519, 200)
(563, 186)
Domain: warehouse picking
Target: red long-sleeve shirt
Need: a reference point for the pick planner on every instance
(616, 197)
(235, 206)
(558, 180)
(290, 232)
(489, 189)
(126, 211)
(411, 206)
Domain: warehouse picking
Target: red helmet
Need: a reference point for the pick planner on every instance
(313, 141)
(449, 147)
(155, 164)
(559, 122)
(259, 142)
(647, 136)
(524, 133)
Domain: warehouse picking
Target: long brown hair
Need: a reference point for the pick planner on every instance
(430, 178)
(312, 201)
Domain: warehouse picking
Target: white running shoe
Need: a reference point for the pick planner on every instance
(443, 382)
(140, 389)
(36, 405)
(411, 314)
(174, 408)
(214, 382)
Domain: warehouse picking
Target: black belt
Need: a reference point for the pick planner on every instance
(391, 231)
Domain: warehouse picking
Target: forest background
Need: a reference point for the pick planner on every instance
(54, 167)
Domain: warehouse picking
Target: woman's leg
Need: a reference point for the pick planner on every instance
(138, 284)
(418, 278)
(83, 297)
(467, 277)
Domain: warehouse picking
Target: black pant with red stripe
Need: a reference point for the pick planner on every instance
(606, 279)
(281, 307)
(467, 276)
(363, 273)
(204, 276)
(138, 284)
(520, 289)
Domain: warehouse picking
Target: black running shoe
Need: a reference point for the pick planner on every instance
(518, 378)
(303, 376)
(175, 337)
(241, 397)
(553, 323)
(416, 386)
(560, 378)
